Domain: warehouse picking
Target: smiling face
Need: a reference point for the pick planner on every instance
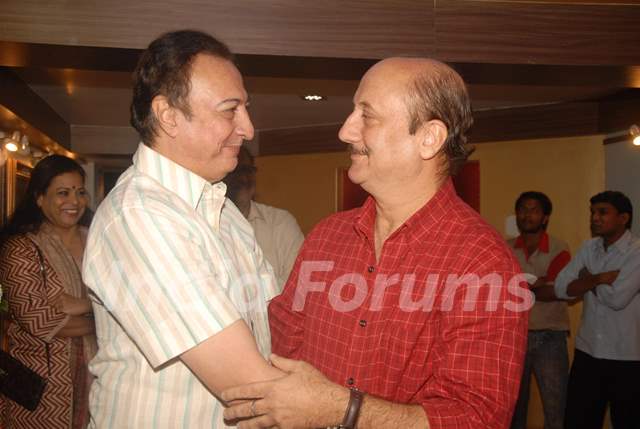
(207, 141)
(64, 201)
(383, 153)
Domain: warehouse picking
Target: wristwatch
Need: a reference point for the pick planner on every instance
(353, 409)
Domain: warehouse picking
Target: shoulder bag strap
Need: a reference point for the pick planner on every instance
(44, 280)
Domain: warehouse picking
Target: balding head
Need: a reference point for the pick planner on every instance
(435, 91)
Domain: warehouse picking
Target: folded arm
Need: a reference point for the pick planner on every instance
(619, 292)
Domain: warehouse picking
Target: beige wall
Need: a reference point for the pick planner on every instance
(302, 184)
(569, 170)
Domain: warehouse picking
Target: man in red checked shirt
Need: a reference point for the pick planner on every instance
(542, 256)
(410, 311)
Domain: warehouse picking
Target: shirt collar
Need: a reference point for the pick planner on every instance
(419, 223)
(254, 212)
(543, 245)
(621, 244)
(177, 179)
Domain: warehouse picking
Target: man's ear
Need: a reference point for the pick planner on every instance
(625, 218)
(432, 135)
(165, 115)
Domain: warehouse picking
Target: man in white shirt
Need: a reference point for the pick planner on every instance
(277, 231)
(179, 285)
(606, 273)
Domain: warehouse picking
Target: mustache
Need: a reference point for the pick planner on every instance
(355, 151)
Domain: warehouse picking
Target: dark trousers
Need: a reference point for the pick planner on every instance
(594, 383)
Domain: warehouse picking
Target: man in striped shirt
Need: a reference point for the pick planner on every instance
(178, 282)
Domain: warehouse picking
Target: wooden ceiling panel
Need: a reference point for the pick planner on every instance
(29, 110)
(553, 120)
(315, 139)
(77, 56)
(537, 33)
(329, 28)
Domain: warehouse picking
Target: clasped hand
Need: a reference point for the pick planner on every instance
(304, 398)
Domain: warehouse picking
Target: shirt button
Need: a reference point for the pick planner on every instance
(363, 323)
(370, 268)
(350, 381)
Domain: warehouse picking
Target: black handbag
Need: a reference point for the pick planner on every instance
(17, 381)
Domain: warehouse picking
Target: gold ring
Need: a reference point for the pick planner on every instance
(253, 408)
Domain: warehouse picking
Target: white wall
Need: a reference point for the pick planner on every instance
(622, 173)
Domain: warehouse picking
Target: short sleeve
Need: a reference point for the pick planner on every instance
(154, 274)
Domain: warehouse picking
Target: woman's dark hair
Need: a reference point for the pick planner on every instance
(28, 216)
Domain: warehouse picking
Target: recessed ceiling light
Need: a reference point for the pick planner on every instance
(313, 97)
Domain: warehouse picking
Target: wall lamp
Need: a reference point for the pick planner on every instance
(10, 142)
(15, 145)
(632, 133)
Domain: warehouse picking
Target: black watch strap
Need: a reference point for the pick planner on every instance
(353, 409)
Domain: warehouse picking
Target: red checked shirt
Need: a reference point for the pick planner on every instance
(411, 328)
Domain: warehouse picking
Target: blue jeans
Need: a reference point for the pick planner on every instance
(547, 358)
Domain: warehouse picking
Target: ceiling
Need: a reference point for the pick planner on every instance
(535, 69)
(102, 98)
(94, 98)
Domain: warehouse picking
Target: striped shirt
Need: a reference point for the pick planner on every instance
(170, 262)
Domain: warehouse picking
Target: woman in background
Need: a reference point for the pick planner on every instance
(51, 328)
